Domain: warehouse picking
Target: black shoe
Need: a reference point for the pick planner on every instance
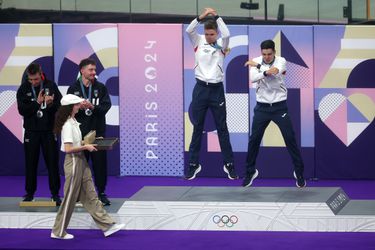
(229, 169)
(56, 198)
(28, 197)
(249, 179)
(300, 180)
(193, 170)
(103, 198)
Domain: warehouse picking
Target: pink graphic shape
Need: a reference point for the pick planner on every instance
(213, 144)
(80, 50)
(337, 122)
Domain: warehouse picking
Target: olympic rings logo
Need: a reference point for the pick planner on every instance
(225, 220)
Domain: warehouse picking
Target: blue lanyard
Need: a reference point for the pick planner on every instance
(33, 89)
(83, 90)
(216, 46)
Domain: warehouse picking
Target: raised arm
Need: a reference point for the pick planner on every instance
(224, 31)
(191, 30)
(256, 75)
(256, 70)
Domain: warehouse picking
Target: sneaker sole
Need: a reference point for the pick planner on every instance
(120, 227)
(62, 238)
(195, 173)
(253, 178)
(295, 177)
(231, 178)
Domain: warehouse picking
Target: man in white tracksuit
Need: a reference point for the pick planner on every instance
(209, 89)
(268, 71)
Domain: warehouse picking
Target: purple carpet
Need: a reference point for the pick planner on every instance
(177, 240)
(13, 186)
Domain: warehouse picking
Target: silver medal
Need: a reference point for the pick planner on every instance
(39, 114)
(88, 112)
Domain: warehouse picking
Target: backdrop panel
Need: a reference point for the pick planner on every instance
(344, 101)
(21, 44)
(74, 42)
(294, 44)
(151, 99)
(331, 95)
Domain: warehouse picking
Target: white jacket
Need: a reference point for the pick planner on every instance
(269, 89)
(209, 58)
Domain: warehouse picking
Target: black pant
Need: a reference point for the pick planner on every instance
(263, 115)
(99, 167)
(33, 140)
(209, 96)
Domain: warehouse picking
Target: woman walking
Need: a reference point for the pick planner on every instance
(78, 179)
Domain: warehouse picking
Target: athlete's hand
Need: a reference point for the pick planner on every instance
(273, 71)
(49, 99)
(206, 12)
(40, 99)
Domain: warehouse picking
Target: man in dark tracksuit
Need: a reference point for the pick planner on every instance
(92, 117)
(267, 72)
(38, 100)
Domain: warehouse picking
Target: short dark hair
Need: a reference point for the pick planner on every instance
(85, 62)
(33, 68)
(267, 44)
(210, 24)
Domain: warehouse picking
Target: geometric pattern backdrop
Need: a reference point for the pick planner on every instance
(331, 94)
(74, 42)
(344, 101)
(21, 44)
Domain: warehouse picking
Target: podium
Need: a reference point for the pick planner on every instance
(38, 203)
(311, 209)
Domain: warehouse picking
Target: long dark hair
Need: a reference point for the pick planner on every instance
(62, 115)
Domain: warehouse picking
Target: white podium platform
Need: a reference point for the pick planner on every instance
(220, 208)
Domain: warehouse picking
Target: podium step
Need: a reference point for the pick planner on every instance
(216, 208)
(247, 209)
(37, 204)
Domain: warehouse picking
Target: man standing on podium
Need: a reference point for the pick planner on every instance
(268, 71)
(38, 100)
(92, 117)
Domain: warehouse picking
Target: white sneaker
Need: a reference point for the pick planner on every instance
(65, 237)
(78, 204)
(113, 229)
